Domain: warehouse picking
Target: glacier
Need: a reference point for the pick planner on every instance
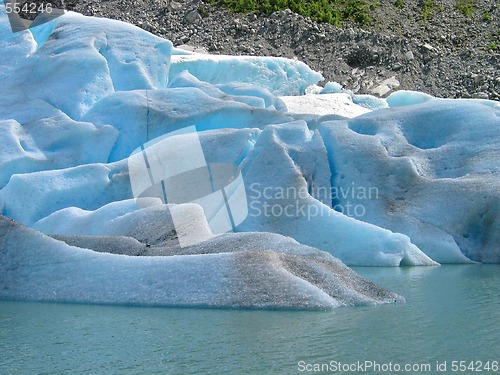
(330, 177)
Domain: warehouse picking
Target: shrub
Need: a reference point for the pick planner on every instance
(466, 7)
(329, 11)
(427, 9)
(400, 4)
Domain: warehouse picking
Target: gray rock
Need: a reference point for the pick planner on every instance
(427, 47)
(193, 17)
(409, 55)
(480, 95)
(189, 48)
(174, 6)
(385, 87)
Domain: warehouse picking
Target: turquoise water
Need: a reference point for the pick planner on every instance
(452, 313)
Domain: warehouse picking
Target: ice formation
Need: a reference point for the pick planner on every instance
(407, 180)
(437, 174)
(38, 268)
(340, 104)
(278, 75)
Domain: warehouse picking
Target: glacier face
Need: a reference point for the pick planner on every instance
(437, 177)
(410, 180)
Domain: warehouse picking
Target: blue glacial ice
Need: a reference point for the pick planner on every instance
(278, 75)
(89, 58)
(437, 174)
(142, 115)
(39, 137)
(407, 180)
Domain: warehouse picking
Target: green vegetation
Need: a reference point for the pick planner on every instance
(203, 11)
(495, 42)
(466, 7)
(486, 16)
(427, 9)
(400, 4)
(329, 11)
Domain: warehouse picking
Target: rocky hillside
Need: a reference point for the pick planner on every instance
(448, 48)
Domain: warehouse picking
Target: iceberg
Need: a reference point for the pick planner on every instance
(149, 223)
(88, 186)
(246, 93)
